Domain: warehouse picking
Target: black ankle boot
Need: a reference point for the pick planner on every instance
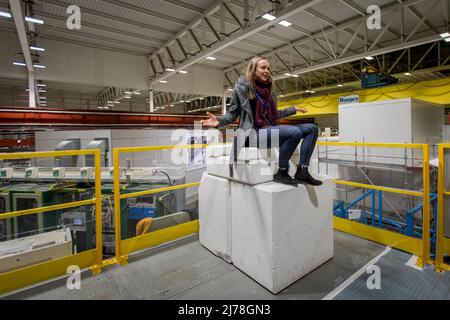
(283, 177)
(302, 176)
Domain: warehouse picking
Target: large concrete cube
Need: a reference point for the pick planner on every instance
(215, 215)
(253, 172)
(281, 233)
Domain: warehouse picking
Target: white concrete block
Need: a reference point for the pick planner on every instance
(249, 154)
(281, 233)
(254, 172)
(218, 150)
(215, 215)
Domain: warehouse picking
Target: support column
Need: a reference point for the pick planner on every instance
(32, 92)
(152, 103)
(224, 103)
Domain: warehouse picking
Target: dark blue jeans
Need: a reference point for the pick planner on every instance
(289, 139)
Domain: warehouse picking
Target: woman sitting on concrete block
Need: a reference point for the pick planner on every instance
(254, 103)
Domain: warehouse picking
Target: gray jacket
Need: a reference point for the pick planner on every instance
(240, 107)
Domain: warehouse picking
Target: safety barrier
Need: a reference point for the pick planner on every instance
(123, 247)
(27, 276)
(418, 247)
(442, 242)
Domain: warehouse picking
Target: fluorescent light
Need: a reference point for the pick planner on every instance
(407, 73)
(128, 92)
(288, 74)
(39, 66)
(42, 91)
(182, 101)
(201, 98)
(183, 72)
(369, 58)
(230, 89)
(5, 14)
(37, 49)
(172, 105)
(445, 35)
(447, 39)
(128, 97)
(163, 81)
(295, 75)
(269, 17)
(41, 85)
(19, 64)
(136, 92)
(340, 85)
(117, 102)
(34, 20)
(285, 23)
(170, 69)
(211, 58)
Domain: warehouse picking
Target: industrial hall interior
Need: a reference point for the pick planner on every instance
(224, 150)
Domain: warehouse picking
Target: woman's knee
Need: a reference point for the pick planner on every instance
(296, 133)
(311, 128)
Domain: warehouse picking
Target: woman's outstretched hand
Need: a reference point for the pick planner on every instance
(211, 122)
(302, 110)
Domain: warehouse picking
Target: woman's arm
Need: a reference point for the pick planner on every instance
(233, 112)
(290, 112)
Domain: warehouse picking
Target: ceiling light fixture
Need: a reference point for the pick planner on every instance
(340, 85)
(295, 76)
(21, 64)
(288, 74)
(37, 49)
(34, 20)
(447, 39)
(5, 14)
(285, 23)
(269, 17)
(445, 35)
(369, 58)
(41, 85)
(39, 66)
(163, 81)
(170, 69)
(211, 58)
(407, 73)
(183, 72)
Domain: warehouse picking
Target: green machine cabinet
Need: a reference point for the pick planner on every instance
(6, 225)
(29, 196)
(135, 209)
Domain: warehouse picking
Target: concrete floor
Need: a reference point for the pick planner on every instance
(186, 271)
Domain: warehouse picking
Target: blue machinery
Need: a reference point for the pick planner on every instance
(375, 217)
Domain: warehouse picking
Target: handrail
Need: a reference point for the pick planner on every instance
(426, 247)
(43, 271)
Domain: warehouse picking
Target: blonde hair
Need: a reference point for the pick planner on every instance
(249, 73)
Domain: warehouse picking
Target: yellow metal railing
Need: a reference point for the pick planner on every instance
(127, 246)
(442, 243)
(30, 275)
(419, 247)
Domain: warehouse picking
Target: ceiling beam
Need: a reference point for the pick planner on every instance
(261, 24)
